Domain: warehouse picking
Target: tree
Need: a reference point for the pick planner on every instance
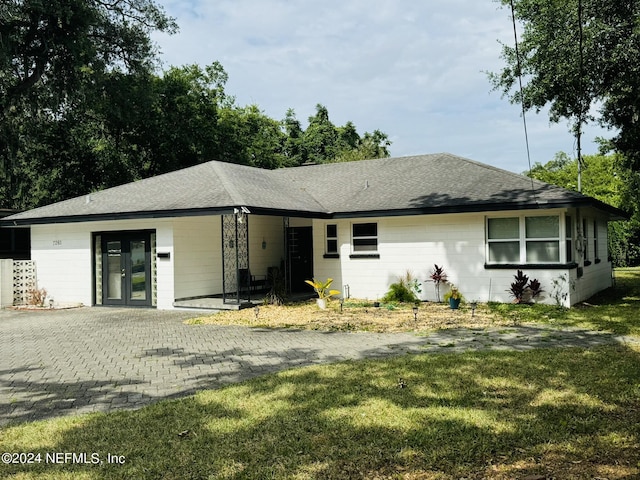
(57, 61)
(320, 139)
(54, 44)
(606, 178)
(249, 137)
(293, 149)
(574, 55)
(323, 142)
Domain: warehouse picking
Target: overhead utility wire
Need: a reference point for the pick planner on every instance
(524, 118)
(580, 98)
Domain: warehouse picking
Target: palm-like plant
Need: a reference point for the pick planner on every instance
(322, 288)
(438, 276)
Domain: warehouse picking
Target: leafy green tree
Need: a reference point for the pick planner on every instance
(293, 149)
(251, 138)
(323, 142)
(603, 177)
(56, 57)
(320, 139)
(575, 55)
(53, 44)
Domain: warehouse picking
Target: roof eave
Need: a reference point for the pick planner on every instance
(614, 213)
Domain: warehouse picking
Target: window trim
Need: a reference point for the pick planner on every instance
(561, 239)
(364, 253)
(328, 253)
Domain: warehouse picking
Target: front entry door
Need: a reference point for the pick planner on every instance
(126, 272)
(300, 246)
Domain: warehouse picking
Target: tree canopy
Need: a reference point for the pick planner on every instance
(83, 106)
(579, 57)
(606, 178)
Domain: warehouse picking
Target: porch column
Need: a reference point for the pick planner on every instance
(235, 256)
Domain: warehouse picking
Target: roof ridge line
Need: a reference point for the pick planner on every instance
(236, 198)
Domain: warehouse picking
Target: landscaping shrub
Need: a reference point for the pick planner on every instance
(404, 290)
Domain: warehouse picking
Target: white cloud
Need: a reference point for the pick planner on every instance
(414, 70)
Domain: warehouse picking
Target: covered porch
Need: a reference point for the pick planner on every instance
(231, 261)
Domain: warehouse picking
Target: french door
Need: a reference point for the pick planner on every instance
(126, 269)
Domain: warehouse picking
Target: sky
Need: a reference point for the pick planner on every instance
(417, 71)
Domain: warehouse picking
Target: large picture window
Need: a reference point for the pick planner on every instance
(365, 237)
(524, 240)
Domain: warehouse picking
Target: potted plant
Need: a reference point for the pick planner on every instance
(323, 291)
(454, 297)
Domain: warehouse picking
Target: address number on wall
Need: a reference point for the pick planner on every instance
(57, 243)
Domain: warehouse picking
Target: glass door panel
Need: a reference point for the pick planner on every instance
(139, 268)
(126, 269)
(115, 270)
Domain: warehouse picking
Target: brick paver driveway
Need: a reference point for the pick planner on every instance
(99, 359)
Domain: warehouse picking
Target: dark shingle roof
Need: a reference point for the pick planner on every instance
(434, 183)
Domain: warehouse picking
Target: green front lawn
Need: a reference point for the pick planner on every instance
(568, 413)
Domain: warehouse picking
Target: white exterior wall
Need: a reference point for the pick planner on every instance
(455, 242)
(6, 283)
(64, 262)
(599, 274)
(269, 230)
(198, 258)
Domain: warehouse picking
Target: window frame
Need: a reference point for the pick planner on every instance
(586, 239)
(563, 237)
(596, 257)
(364, 253)
(328, 238)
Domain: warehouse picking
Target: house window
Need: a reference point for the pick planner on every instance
(365, 237)
(585, 233)
(542, 239)
(504, 240)
(523, 240)
(331, 239)
(569, 238)
(595, 240)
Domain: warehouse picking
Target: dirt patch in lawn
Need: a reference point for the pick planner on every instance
(358, 316)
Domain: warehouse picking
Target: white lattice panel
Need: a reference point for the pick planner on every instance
(24, 280)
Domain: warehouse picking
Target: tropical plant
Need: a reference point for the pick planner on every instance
(438, 276)
(535, 288)
(523, 288)
(323, 288)
(517, 289)
(405, 290)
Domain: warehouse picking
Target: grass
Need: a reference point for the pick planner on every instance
(615, 310)
(565, 413)
(568, 413)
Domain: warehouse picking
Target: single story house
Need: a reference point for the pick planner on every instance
(208, 230)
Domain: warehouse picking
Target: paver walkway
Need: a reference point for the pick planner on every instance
(64, 362)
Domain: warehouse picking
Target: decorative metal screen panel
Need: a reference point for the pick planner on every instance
(24, 280)
(98, 261)
(154, 271)
(235, 258)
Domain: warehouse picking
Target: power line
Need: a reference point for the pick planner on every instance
(524, 118)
